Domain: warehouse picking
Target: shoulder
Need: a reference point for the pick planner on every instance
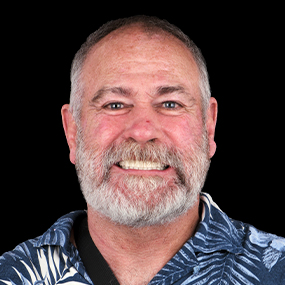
(242, 235)
(45, 257)
(263, 252)
(249, 252)
(270, 246)
(17, 264)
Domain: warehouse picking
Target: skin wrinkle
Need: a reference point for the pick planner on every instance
(161, 90)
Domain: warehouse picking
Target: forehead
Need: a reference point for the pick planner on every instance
(133, 53)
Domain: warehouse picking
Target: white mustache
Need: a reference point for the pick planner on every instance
(150, 152)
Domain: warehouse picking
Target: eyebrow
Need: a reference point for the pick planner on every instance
(116, 90)
(163, 90)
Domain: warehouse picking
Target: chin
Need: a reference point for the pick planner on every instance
(140, 206)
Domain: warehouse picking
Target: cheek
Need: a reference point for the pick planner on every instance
(183, 132)
(103, 131)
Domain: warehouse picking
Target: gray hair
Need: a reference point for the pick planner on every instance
(150, 25)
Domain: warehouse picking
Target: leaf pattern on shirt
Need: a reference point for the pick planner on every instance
(50, 269)
(223, 269)
(274, 246)
(228, 263)
(49, 259)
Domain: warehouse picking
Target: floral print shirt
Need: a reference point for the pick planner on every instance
(223, 251)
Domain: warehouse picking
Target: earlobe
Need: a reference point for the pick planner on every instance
(70, 130)
(212, 113)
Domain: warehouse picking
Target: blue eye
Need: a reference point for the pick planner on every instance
(115, 106)
(170, 105)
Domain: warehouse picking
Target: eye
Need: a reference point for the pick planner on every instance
(170, 105)
(115, 106)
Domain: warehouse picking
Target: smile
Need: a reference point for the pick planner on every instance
(141, 165)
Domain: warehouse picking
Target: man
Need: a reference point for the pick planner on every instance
(140, 127)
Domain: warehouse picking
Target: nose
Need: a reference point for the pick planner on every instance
(143, 126)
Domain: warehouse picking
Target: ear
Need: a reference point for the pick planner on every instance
(70, 130)
(211, 121)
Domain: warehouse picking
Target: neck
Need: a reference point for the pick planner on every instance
(140, 252)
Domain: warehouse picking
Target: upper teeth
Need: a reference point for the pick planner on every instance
(141, 165)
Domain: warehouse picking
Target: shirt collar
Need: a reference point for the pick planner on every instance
(216, 230)
(59, 233)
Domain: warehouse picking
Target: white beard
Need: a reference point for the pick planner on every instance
(139, 201)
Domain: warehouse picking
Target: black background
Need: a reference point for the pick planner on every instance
(243, 47)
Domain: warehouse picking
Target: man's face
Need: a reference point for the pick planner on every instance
(142, 146)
